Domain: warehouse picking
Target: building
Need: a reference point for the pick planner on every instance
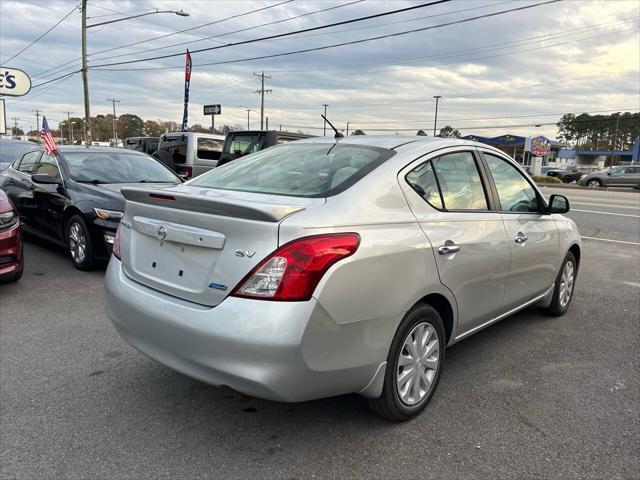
(524, 149)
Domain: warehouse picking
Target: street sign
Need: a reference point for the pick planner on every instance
(212, 109)
(14, 82)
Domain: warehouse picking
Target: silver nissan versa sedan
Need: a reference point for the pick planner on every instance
(324, 267)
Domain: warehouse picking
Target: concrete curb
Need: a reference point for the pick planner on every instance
(570, 186)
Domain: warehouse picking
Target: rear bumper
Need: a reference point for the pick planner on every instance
(11, 251)
(281, 351)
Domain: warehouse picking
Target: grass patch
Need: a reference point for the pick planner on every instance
(545, 179)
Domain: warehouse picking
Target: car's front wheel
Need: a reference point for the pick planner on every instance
(593, 183)
(79, 243)
(414, 365)
(563, 288)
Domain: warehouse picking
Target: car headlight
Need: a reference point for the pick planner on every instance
(7, 219)
(582, 176)
(112, 215)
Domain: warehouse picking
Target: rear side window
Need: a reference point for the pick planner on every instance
(209, 148)
(28, 162)
(176, 146)
(301, 170)
(450, 182)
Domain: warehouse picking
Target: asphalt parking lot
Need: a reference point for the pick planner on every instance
(530, 397)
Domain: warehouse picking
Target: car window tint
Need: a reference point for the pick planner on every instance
(515, 192)
(460, 182)
(28, 162)
(422, 179)
(121, 167)
(48, 166)
(303, 170)
(209, 148)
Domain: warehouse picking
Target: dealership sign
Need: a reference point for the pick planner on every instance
(540, 146)
(14, 82)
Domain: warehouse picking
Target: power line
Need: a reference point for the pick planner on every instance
(54, 79)
(42, 36)
(234, 31)
(295, 32)
(175, 32)
(194, 28)
(325, 47)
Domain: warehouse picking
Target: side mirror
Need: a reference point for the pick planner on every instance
(45, 179)
(558, 204)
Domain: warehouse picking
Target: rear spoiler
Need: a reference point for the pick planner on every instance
(265, 212)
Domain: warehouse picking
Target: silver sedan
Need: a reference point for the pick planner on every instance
(324, 267)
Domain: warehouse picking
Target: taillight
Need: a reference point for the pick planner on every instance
(293, 271)
(116, 243)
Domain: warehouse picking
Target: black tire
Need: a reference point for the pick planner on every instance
(389, 404)
(81, 262)
(556, 308)
(594, 182)
(567, 180)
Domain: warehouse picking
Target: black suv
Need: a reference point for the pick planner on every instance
(238, 144)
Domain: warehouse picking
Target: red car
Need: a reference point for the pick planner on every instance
(11, 259)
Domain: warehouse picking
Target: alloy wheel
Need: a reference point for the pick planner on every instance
(566, 284)
(77, 243)
(418, 363)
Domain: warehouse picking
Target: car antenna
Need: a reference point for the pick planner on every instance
(338, 134)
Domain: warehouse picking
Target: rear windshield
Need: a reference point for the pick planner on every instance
(244, 144)
(176, 146)
(299, 170)
(110, 167)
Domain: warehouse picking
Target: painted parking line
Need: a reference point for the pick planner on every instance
(605, 205)
(610, 240)
(606, 213)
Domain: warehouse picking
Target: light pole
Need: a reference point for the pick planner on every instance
(348, 129)
(435, 119)
(85, 79)
(115, 133)
(71, 124)
(324, 130)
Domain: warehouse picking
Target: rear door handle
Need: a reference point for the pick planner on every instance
(448, 249)
(520, 238)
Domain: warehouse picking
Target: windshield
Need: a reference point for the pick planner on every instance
(111, 167)
(300, 170)
(244, 144)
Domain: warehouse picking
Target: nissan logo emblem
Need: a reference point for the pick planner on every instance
(162, 232)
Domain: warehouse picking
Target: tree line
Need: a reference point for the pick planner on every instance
(600, 132)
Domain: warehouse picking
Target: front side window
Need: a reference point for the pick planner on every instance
(209, 148)
(515, 193)
(301, 170)
(48, 166)
(28, 162)
(110, 167)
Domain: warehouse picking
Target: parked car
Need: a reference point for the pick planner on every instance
(74, 199)
(189, 154)
(11, 256)
(239, 144)
(569, 174)
(142, 144)
(621, 176)
(11, 149)
(322, 267)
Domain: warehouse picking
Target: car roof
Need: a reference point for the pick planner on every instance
(393, 142)
(95, 148)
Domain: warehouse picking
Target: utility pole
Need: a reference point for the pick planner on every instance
(267, 124)
(85, 77)
(248, 110)
(324, 126)
(435, 119)
(347, 129)
(37, 112)
(115, 133)
(262, 91)
(69, 126)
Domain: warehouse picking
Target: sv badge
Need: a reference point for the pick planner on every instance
(244, 253)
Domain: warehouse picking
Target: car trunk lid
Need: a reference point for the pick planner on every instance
(198, 243)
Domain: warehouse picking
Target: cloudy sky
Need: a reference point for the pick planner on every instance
(504, 73)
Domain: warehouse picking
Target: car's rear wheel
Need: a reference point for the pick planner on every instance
(563, 288)
(414, 365)
(594, 183)
(79, 243)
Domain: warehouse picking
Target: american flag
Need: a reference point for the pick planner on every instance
(50, 146)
